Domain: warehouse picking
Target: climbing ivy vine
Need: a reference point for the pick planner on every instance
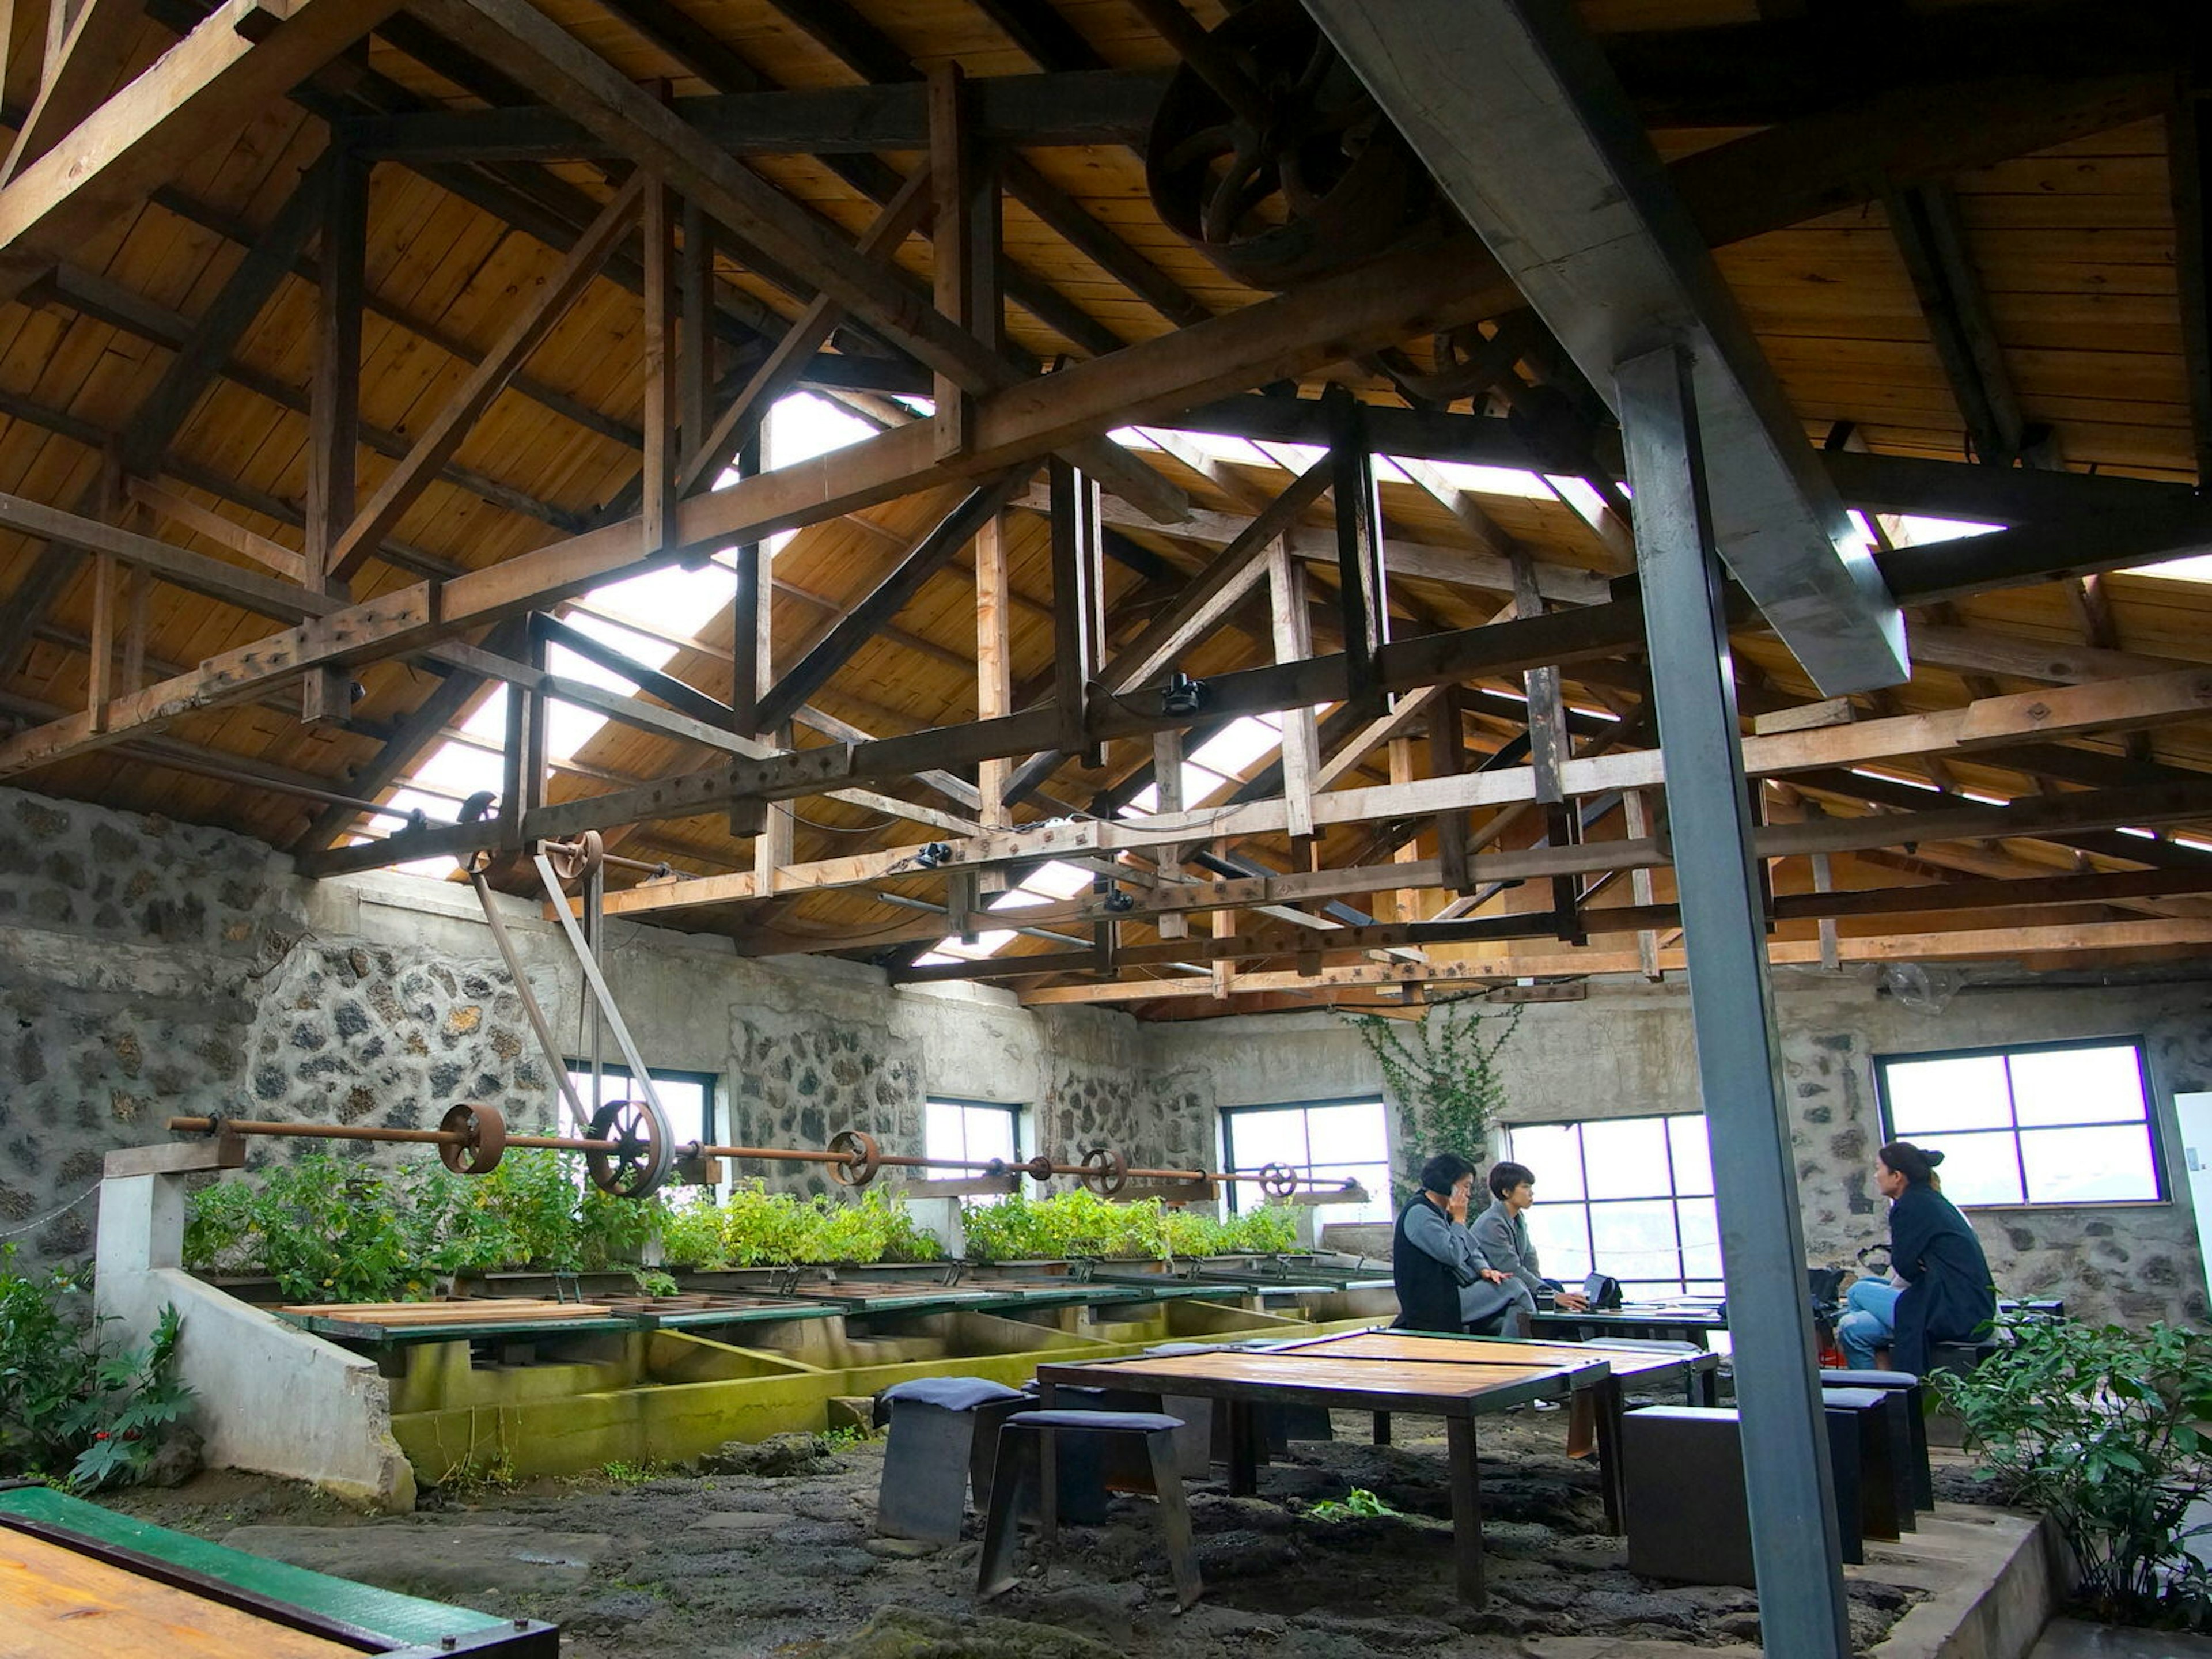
(1442, 1069)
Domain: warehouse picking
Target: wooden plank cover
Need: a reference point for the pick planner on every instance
(58, 1604)
(1459, 1351)
(1407, 1380)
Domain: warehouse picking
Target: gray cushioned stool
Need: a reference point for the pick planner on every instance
(1861, 1437)
(1023, 1439)
(1684, 1505)
(1944, 1428)
(1910, 1415)
(944, 1439)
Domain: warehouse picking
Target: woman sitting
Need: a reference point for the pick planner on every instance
(1946, 1295)
(1442, 1285)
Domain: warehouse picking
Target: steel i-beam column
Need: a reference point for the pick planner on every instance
(1801, 1606)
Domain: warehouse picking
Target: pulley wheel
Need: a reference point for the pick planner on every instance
(863, 1158)
(483, 1140)
(640, 1150)
(1037, 1168)
(1278, 1179)
(571, 859)
(1105, 1171)
(1309, 177)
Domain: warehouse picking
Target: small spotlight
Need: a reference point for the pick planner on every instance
(1117, 902)
(933, 854)
(1182, 696)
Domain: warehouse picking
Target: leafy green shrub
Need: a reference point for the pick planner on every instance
(71, 1405)
(753, 1227)
(2100, 1427)
(325, 1229)
(1358, 1504)
(1079, 1223)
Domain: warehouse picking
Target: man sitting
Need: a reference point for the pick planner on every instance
(1442, 1283)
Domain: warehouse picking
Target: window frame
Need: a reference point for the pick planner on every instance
(1014, 1110)
(2149, 1120)
(1233, 1191)
(709, 1083)
(1672, 1197)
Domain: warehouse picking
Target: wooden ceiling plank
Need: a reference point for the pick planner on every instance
(434, 445)
(75, 78)
(584, 84)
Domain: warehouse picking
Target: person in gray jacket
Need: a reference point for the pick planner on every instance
(1442, 1283)
(1502, 1234)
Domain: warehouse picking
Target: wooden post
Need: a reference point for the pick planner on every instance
(1292, 628)
(334, 410)
(658, 476)
(995, 668)
(696, 337)
(1167, 774)
(1406, 904)
(772, 839)
(1362, 592)
(1448, 759)
(1078, 604)
(966, 244)
(1547, 714)
(752, 656)
(1635, 810)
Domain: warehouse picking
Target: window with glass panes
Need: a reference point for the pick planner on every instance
(1628, 1196)
(688, 1098)
(969, 1132)
(1331, 1141)
(2046, 1123)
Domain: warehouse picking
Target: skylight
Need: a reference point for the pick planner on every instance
(1046, 884)
(669, 605)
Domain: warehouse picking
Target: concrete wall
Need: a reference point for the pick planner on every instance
(1628, 1052)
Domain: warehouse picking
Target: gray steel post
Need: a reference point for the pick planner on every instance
(1801, 1605)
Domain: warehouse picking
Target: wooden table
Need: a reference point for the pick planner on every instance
(1383, 1371)
(1690, 1323)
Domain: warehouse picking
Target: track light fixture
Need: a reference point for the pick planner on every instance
(1182, 696)
(1117, 902)
(933, 854)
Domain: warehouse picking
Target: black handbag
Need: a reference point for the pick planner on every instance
(1602, 1292)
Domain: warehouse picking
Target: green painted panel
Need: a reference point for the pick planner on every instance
(401, 1618)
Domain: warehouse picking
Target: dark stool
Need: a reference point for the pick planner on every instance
(1023, 1438)
(1684, 1506)
(944, 1439)
(1961, 1357)
(1700, 1385)
(1910, 1413)
(1861, 1418)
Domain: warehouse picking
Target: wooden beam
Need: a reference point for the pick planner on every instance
(1991, 943)
(1548, 743)
(579, 81)
(994, 665)
(164, 502)
(1931, 235)
(887, 598)
(334, 407)
(1079, 602)
(740, 419)
(244, 58)
(657, 474)
(1102, 107)
(1292, 630)
(438, 440)
(85, 49)
(1985, 651)
(1362, 594)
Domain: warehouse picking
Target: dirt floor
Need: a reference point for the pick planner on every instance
(703, 1565)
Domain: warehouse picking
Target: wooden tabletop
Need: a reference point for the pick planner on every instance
(56, 1603)
(1489, 1351)
(1380, 1381)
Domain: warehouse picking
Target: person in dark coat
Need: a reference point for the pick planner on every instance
(1947, 1295)
(1443, 1282)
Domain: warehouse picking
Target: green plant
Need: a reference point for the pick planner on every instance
(72, 1404)
(1445, 1078)
(1358, 1503)
(652, 1282)
(632, 1475)
(326, 1230)
(844, 1438)
(2100, 1427)
(753, 1227)
(1079, 1223)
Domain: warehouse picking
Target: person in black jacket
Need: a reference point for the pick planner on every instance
(1443, 1282)
(1947, 1295)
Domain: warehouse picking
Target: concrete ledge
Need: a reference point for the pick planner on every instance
(1994, 1579)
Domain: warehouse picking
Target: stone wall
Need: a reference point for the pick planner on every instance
(149, 969)
(1628, 1052)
